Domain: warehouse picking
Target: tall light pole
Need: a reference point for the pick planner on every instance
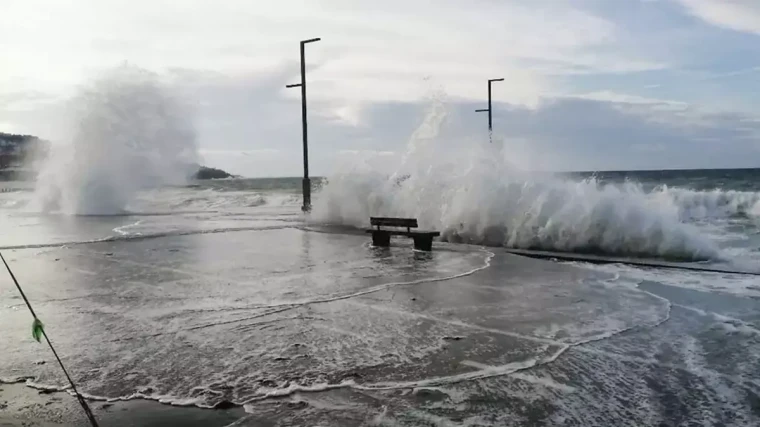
(306, 181)
(489, 110)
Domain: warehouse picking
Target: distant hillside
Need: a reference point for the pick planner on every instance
(211, 173)
(16, 152)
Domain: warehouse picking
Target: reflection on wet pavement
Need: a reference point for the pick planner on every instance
(318, 327)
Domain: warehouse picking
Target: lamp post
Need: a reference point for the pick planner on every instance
(489, 109)
(304, 127)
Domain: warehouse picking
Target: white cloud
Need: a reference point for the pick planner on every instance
(578, 133)
(739, 15)
(624, 98)
(249, 126)
(370, 50)
(566, 66)
(742, 72)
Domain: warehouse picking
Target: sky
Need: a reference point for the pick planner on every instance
(589, 84)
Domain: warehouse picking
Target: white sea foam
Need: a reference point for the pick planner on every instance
(737, 284)
(691, 204)
(211, 199)
(478, 196)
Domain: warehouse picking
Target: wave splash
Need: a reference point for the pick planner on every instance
(697, 205)
(479, 197)
(129, 132)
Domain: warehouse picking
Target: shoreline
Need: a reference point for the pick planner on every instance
(24, 405)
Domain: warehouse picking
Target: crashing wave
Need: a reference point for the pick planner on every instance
(692, 204)
(129, 132)
(477, 197)
(521, 213)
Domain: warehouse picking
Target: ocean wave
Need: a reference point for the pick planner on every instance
(693, 205)
(547, 214)
(213, 199)
(478, 196)
(210, 199)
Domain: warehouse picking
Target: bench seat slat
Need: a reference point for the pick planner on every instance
(406, 233)
(393, 222)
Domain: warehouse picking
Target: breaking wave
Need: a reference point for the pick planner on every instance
(479, 197)
(210, 199)
(213, 200)
(693, 205)
(128, 132)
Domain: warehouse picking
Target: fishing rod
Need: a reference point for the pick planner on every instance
(38, 331)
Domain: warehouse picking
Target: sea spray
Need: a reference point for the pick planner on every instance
(476, 196)
(694, 205)
(128, 132)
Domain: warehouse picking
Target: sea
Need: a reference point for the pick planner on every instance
(224, 292)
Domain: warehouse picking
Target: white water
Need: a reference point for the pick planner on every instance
(478, 196)
(691, 204)
(128, 132)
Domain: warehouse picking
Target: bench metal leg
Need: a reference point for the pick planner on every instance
(423, 243)
(381, 238)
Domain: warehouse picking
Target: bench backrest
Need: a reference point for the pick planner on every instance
(393, 222)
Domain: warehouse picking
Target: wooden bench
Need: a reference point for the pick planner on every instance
(423, 240)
